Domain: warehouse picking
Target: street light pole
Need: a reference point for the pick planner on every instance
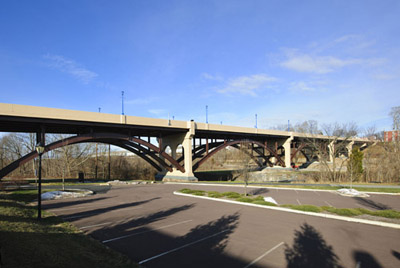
(40, 150)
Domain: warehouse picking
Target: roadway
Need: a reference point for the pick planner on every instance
(156, 228)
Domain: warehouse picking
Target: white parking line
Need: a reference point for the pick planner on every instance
(95, 225)
(328, 203)
(316, 193)
(298, 201)
(181, 247)
(262, 256)
(296, 191)
(130, 235)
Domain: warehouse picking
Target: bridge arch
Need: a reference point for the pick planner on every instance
(147, 151)
(200, 152)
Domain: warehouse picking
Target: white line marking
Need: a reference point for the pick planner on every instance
(184, 246)
(328, 203)
(296, 191)
(317, 193)
(262, 256)
(95, 225)
(163, 227)
(322, 215)
(298, 201)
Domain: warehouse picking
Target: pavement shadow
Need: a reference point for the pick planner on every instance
(202, 246)
(396, 254)
(365, 260)
(63, 203)
(259, 191)
(95, 212)
(371, 204)
(125, 226)
(310, 250)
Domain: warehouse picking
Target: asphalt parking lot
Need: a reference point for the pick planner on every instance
(156, 228)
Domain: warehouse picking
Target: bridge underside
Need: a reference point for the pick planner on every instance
(149, 139)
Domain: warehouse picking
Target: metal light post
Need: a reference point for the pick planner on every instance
(122, 92)
(40, 150)
(206, 114)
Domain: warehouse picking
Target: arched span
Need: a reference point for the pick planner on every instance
(232, 143)
(115, 139)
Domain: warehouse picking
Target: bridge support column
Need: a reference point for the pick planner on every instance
(287, 146)
(331, 148)
(349, 148)
(173, 142)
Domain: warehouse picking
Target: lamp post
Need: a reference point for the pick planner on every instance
(40, 150)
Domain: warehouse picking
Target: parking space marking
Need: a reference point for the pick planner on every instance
(328, 203)
(265, 254)
(130, 235)
(296, 191)
(298, 201)
(95, 225)
(181, 247)
(316, 193)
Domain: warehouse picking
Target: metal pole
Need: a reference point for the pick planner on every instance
(40, 188)
(207, 114)
(122, 102)
(95, 171)
(256, 121)
(109, 162)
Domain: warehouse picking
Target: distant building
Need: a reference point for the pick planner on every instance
(393, 135)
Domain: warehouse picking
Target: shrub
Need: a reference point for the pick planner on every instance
(215, 194)
(245, 199)
(233, 195)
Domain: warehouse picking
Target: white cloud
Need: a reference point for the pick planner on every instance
(70, 67)
(247, 85)
(301, 86)
(211, 77)
(316, 64)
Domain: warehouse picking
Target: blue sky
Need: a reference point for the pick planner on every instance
(330, 61)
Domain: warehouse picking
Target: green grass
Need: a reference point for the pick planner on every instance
(259, 200)
(308, 208)
(50, 242)
(232, 195)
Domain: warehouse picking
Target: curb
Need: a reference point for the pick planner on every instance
(321, 215)
(279, 188)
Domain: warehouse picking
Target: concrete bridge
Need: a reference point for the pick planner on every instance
(149, 138)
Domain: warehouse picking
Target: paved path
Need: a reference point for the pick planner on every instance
(158, 229)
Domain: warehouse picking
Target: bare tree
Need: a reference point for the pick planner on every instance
(395, 114)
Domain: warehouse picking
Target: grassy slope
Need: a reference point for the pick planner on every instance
(26, 242)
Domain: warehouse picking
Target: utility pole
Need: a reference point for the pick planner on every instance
(256, 121)
(122, 92)
(206, 114)
(109, 162)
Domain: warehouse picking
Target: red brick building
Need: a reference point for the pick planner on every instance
(393, 135)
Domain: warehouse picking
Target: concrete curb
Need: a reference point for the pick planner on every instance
(321, 215)
(279, 188)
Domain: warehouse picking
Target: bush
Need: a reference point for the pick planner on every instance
(245, 199)
(233, 195)
(215, 194)
(349, 212)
